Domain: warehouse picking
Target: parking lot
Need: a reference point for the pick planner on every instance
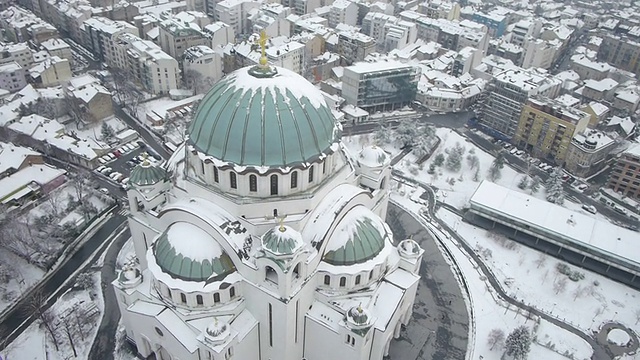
(117, 165)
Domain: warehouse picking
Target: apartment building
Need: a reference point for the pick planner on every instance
(380, 86)
(220, 34)
(587, 152)
(51, 72)
(589, 69)
(272, 19)
(354, 46)
(539, 53)
(179, 32)
(625, 177)
(508, 92)
(496, 23)
(204, 61)
(343, 12)
(59, 48)
(622, 52)
(547, 127)
(525, 29)
(100, 33)
(13, 77)
(20, 53)
(21, 25)
(235, 13)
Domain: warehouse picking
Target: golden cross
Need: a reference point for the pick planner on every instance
(281, 223)
(262, 41)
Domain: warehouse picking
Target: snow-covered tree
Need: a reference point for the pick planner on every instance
(518, 343)
(84, 281)
(406, 133)
(495, 170)
(454, 160)
(535, 184)
(381, 136)
(107, 132)
(439, 160)
(560, 286)
(432, 169)
(476, 175)
(555, 192)
(496, 338)
(524, 182)
(472, 160)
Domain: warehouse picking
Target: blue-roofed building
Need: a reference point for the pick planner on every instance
(496, 23)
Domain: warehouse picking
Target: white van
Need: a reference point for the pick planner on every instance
(589, 208)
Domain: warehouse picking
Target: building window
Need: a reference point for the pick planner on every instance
(233, 181)
(343, 281)
(270, 274)
(296, 271)
(183, 298)
(158, 331)
(370, 274)
(324, 166)
(270, 325)
(351, 340)
(357, 279)
(216, 298)
(294, 179)
(274, 184)
(253, 183)
(215, 174)
(327, 280)
(199, 299)
(311, 174)
(232, 292)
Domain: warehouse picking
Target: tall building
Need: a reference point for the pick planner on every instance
(625, 177)
(205, 62)
(13, 77)
(622, 52)
(343, 12)
(547, 127)
(380, 86)
(587, 153)
(182, 31)
(235, 13)
(508, 92)
(258, 240)
(100, 34)
(354, 46)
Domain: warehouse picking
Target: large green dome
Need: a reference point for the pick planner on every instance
(277, 120)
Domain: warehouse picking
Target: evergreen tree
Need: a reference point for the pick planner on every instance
(535, 185)
(454, 160)
(518, 343)
(524, 182)
(476, 175)
(432, 169)
(495, 170)
(381, 136)
(439, 160)
(472, 160)
(555, 192)
(406, 133)
(107, 132)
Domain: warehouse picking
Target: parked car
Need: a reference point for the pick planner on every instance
(590, 208)
(114, 175)
(106, 171)
(124, 181)
(520, 152)
(513, 151)
(117, 153)
(620, 209)
(131, 163)
(141, 144)
(132, 146)
(582, 187)
(123, 150)
(100, 168)
(109, 157)
(104, 191)
(102, 161)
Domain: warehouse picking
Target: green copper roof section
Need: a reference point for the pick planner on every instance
(279, 120)
(184, 268)
(147, 174)
(282, 240)
(365, 242)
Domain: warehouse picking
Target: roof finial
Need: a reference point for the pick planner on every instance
(360, 308)
(262, 41)
(281, 223)
(145, 161)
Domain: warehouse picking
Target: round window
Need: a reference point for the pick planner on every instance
(159, 331)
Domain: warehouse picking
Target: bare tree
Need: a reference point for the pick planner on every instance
(560, 285)
(192, 80)
(542, 258)
(496, 338)
(579, 292)
(53, 199)
(37, 306)
(68, 328)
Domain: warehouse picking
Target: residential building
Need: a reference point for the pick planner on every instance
(539, 53)
(506, 50)
(220, 33)
(508, 91)
(379, 86)
(496, 23)
(626, 100)
(547, 127)
(272, 19)
(466, 59)
(398, 35)
(589, 69)
(624, 127)
(598, 112)
(289, 55)
(572, 236)
(525, 29)
(19, 53)
(21, 25)
(13, 77)
(625, 177)
(59, 48)
(182, 31)
(587, 153)
(92, 98)
(354, 46)
(248, 288)
(235, 14)
(437, 9)
(205, 62)
(100, 33)
(622, 52)
(51, 72)
(302, 7)
(343, 12)
(437, 97)
(598, 90)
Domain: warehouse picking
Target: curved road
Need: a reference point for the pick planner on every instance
(439, 328)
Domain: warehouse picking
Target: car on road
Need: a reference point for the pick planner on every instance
(620, 209)
(520, 152)
(104, 191)
(106, 171)
(582, 187)
(100, 168)
(131, 163)
(589, 208)
(141, 144)
(565, 177)
(571, 180)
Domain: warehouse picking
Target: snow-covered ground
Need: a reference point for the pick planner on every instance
(489, 312)
(532, 276)
(94, 130)
(22, 276)
(82, 310)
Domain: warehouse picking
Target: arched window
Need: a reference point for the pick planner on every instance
(216, 178)
(311, 173)
(294, 179)
(296, 271)
(327, 280)
(370, 274)
(199, 299)
(274, 184)
(270, 274)
(343, 281)
(216, 298)
(232, 292)
(183, 298)
(357, 279)
(324, 166)
(253, 183)
(233, 181)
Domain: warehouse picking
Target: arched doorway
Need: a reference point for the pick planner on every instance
(162, 354)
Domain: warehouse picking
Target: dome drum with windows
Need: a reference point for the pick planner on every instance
(264, 117)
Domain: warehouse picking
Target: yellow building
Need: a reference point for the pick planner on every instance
(547, 126)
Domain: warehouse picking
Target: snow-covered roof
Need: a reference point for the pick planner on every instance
(600, 238)
(568, 100)
(366, 67)
(354, 111)
(625, 123)
(19, 183)
(12, 156)
(598, 108)
(630, 96)
(601, 85)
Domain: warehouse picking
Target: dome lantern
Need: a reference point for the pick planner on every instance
(282, 240)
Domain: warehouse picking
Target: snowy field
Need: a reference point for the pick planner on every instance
(77, 310)
(21, 276)
(532, 276)
(489, 312)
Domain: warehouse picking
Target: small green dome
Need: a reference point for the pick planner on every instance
(359, 237)
(282, 240)
(186, 252)
(274, 121)
(147, 174)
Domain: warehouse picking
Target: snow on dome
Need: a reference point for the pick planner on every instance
(282, 240)
(360, 236)
(216, 328)
(358, 317)
(409, 248)
(274, 121)
(186, 252)
(373, 156)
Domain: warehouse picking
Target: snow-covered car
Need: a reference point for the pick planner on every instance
(620, 209)
(582, 187)
(102, 161)
(520, 152)
(130, 146)
(106, 171)
(114, 175)
(589, 208)
(104, 191)
(100, 168)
